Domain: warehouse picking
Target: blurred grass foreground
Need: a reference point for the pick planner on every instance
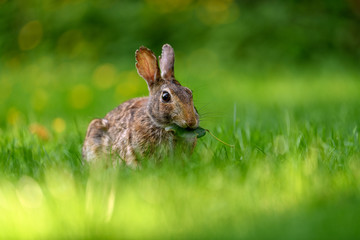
(279, 79)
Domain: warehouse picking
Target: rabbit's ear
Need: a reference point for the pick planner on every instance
(147, 66)
(167, 59)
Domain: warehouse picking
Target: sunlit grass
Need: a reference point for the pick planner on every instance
(294, 171)
(302, 171)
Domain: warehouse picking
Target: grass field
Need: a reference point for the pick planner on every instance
(294, 172)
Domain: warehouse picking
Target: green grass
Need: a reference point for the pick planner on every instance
(294, 172)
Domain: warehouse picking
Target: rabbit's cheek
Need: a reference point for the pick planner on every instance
(166, 110)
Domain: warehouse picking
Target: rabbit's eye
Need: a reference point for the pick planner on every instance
(165, 96)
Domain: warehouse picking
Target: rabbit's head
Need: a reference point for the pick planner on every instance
(169, 102)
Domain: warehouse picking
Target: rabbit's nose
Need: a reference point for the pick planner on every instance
(192, 123)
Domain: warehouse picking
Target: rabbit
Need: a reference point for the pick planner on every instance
(139, 127)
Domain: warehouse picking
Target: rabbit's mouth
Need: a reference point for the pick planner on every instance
(186, 132)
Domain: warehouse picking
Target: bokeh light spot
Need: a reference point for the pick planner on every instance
(128, 86)
(29, 193)
(281, 146)
(61, 184)
(40, 131)
(104, 76)
(13, 116)
(216, 5)
(59, 125)
(80, 96)
(217, 12)
(30, 35)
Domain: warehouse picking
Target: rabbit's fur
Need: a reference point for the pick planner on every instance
(137, 127)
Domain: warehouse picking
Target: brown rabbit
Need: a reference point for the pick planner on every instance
(140, 126)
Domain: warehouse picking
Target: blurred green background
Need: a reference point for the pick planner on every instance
(278, 79)
(61, 58)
